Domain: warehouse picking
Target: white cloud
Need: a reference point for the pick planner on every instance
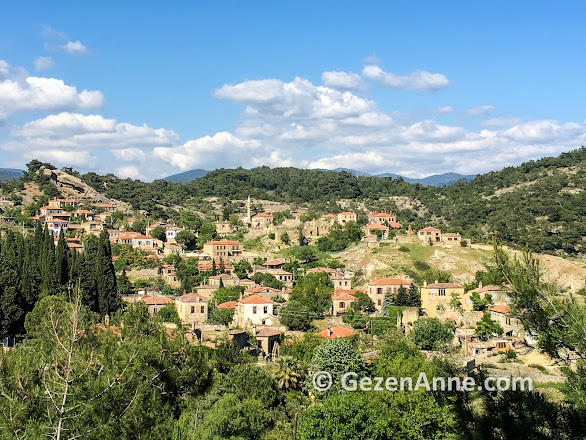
(75, 131)
(223, 150)
(419, 80)
(22, 93)
(444, 110)
(342, 80)
(130, 154)
(130, 171)
(74, 48)
(43, 63)
(480, 110)
(82, 159)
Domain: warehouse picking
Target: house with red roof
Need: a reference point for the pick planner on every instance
(347, 216)
(382, 217)
(261, 220)
(430, 234)
(377, 289)
(341, 300)
(336, 332)
(375, 229)
(224, 279)
(156, 303)
(254, 310)
(437, 296)
(511, 325)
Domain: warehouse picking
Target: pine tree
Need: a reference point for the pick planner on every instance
(387, 302)
(62, 261)
(414, 297)
(402, 299)
(108, 297)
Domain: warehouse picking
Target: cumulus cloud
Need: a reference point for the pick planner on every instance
(371, 59)
(43, 63)
(130, 154)
(22, 93)
(74, 48)
(130, 171)
(221, 150)
(480, 110)
(342, 80)
(74, 131)
(419, 80)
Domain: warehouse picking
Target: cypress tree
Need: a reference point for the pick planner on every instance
(414, 297)
(214, 270)
(108, 297)
(62, 261)
(402, 299)
(47, 264)
(11, 301)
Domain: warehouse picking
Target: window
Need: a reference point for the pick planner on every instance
(254, 310)
(442, 292)
(155, 310)
(341, 305)
(192, 309)
(265, 309)
(379, 291)
(380, 302)
(202, 310)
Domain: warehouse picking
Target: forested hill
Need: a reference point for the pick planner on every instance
(540, 204)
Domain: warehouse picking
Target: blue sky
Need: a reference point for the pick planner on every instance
(145, 90)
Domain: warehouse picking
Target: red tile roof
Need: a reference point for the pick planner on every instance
(381, 214)
(259, 289)
(262, 214)
(489, 288)
(336, 332)
(254, 299)
(227, 305)
(191, 297)
(376, 226)
(390, 282)
(321, 269)
(429, 228)
(347, 213)
(156, 300)
(341, 295)
(275, 262)
(443, 286)
(500, 309)
(223, 242)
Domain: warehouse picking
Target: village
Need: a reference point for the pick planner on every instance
(261, 290)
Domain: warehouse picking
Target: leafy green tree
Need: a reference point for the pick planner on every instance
(431, 333)
(228, 354)
(355, 318)
(314, 291)
(220, 316)
(296, 316)
(159, 233)
(455, 302)
(487, 327)
(168, 313)
(241, 269)
(337, 357)
(186, 239)
(480, 304)
(267, 280)
(363, 303)
(285, 238)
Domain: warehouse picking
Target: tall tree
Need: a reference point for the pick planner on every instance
(108, 297)
(11, 301)
(62, 260)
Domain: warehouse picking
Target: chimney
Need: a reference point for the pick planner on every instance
(240, 295)
(216, 303)
(107, 320)
(373, 277)
(436, 281)
(425, 284)
(329, 333)
(480, 285)
(254, 331)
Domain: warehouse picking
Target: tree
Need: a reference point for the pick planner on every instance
(123, 284)
(168, 313)
(455, 302)
(242, 268)
(314, 290)
(62, 260)
(431, 333)
(268, 280)
(186, 239)
(363, 303)
(107, 292)
(159, 233)
(487, 327)
(387, 302)
(288, 372)
(414, 296)
(296, 316)
(11, 300)
(337, 357)
(285, 238)
(480, 304)
(402, 299)
(355, 318)
(302, 240)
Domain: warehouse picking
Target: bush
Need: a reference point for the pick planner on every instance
(404, 249)
(431, 333)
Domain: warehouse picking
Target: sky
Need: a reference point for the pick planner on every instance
(148, 89)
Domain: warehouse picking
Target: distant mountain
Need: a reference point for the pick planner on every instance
(435, 180)
(187, 176)
(9, 174)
